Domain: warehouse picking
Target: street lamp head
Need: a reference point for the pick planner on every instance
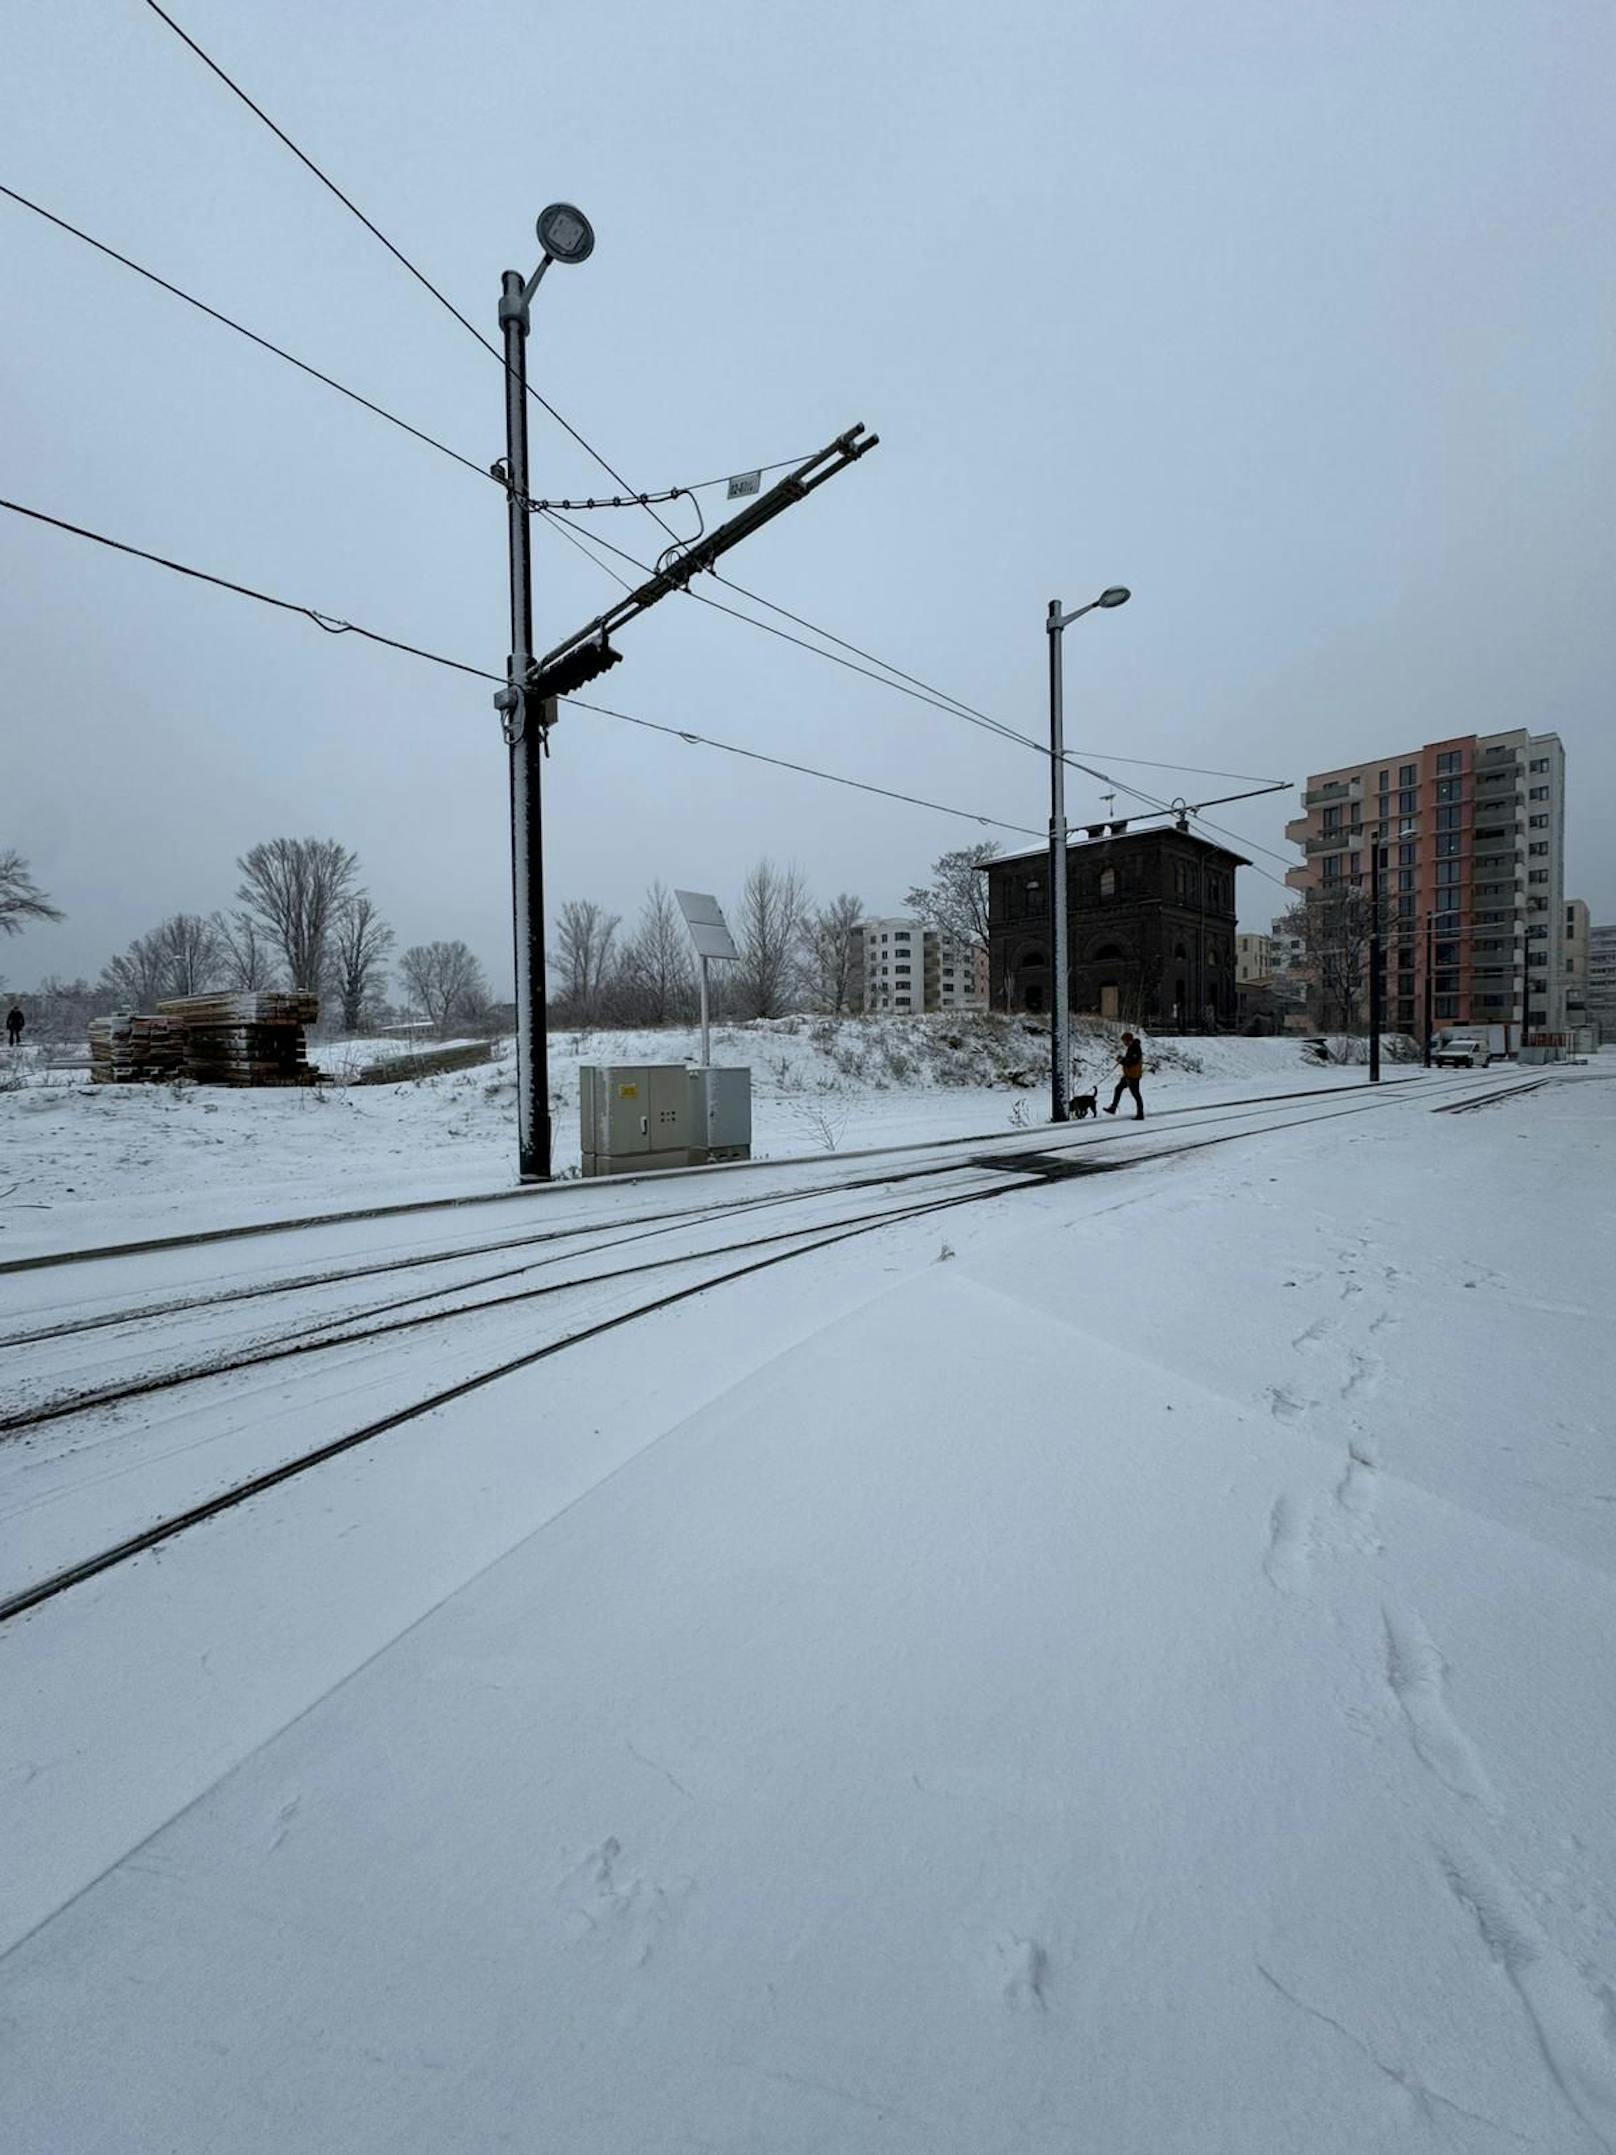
(1117, 595)
(565, 233)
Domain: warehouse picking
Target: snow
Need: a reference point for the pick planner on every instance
(1124, 1666)
(89, 1164)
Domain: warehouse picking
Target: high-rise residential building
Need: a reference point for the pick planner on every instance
(1602, 981)
(1576, 963)
(1253, 958)
(1473, 837)
(901, 964)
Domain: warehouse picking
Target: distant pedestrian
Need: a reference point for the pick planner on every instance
(15, 1021)
(1131, 1057)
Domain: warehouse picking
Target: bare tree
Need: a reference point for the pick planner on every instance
(295, 888)
(138, 977)
(654, 980)
(1333, 920)
(21, 899)
(955, 901)
(828, 951)
(446, 980)
(246, 960)
(774, 904)
(586, 939)
(192, 960)
(359, 946)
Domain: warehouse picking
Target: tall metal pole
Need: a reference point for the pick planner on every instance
(522, 731)
(1060, 1041)
(1376, 956)
(1430, 983)
(706, 1045)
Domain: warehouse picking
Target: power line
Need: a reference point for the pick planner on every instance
(329, 622)
(335, 627)
(252, 336)
(278, 351)
(806, 770)
(397, 253)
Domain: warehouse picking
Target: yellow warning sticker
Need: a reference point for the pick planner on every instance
(628, 1092)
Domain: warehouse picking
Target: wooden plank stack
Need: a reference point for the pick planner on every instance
(130, 1050)
(240, 1039)
(245, 1038)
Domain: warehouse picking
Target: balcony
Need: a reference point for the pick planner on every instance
(1332, 841)
(1338, 789)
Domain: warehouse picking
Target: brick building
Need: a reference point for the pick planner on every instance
(1150, 929)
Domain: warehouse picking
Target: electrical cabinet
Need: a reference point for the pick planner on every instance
(636, 1117)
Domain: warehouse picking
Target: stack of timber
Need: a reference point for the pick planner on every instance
(130, 1050)
(245, 1039)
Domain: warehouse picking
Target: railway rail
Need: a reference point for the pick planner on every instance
(914, 1191)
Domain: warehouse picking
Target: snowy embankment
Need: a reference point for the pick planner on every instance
(1125, 1667)
(91, 1164)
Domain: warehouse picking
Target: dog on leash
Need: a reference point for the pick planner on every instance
(1082, 1103)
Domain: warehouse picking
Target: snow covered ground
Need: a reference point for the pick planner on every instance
(1121, 1667)
(85, 1165)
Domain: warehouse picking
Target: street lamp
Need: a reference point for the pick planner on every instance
(566, 236)
(1060, 1027)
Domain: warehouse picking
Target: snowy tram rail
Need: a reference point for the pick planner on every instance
(141, 1416)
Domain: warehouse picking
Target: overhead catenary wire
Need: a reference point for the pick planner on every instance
(398, 254)
(335, 626)
(330, 381)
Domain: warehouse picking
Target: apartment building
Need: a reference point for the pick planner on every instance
(1253, 958)
(901, 964)
(1602, 981)
(1473, 831)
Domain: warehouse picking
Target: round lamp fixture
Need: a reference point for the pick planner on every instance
(1118, 595)
(565, 233)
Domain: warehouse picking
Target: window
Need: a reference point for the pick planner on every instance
(1447, 954)
(1385, 780)
(1537, 957)
(1405, 879)
(1447, 845)
(1447, 871)
(1447, 819)
(1355, 865)
(1405, 856)
(1447, 789)
(902, 935)
(1405, 802)
(1447, 761)
(1538, 823)
(1537, 875)
(1407, 773)
(1332, 867)
(1406, 827)
(1405, 908)
(1537, 931)
(1447, 1006)
(1539, 846)
(1537, 793)
(1108, 882)
(1538, 763)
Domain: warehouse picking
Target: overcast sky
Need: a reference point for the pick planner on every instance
(1294, 315)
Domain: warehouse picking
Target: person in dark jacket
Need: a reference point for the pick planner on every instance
(15, 1021)
(1131, 1057)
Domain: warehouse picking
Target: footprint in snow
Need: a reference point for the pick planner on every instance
(1024, 1974)
(1418, 1677)
(602, 1899)
(1285, 1561)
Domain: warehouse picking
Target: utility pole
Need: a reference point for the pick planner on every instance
(1376, 956)
(1430, 983)
(1060, 1016)
(566, 236)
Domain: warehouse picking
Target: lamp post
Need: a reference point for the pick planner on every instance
(1060, 1028)
(566, 236)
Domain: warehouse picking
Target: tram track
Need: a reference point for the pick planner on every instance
(1033, 1166)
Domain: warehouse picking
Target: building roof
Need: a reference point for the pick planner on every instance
(1041, 853)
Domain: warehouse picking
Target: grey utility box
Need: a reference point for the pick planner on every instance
(720, 1115)
(636, 1117)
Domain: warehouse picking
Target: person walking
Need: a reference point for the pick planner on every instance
(15, 1021)
(1131, 1057)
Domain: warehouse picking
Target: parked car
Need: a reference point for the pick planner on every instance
(1462, 1054)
